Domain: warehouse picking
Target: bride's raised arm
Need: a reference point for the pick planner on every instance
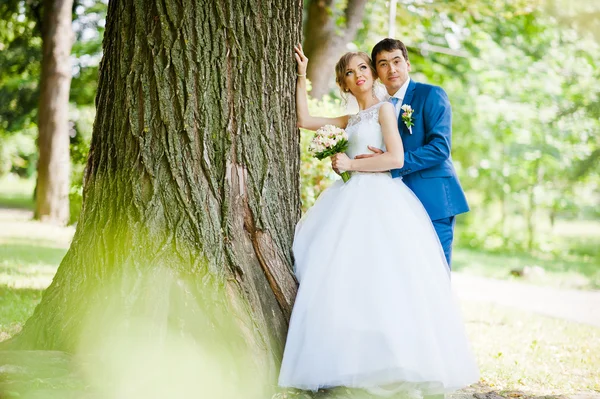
(305, 120)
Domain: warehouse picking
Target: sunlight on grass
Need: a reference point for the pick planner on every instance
(29, 263)
(25, 271)
(577, 229)
(18, 228)
(526, 352)
(30, 253)
(16, 305)
(28, 266)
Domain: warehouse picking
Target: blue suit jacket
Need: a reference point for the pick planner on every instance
(428, 169)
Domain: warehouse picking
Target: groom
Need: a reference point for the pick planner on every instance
(428, 169)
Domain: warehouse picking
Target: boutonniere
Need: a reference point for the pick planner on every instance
(407, 117)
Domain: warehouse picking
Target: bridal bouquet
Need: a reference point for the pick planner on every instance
(329, 140)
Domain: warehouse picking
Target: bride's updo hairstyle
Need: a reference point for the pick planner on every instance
(342, 65)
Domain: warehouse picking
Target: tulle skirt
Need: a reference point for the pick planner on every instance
(375, 309)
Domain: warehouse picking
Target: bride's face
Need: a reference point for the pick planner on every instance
(358, 77)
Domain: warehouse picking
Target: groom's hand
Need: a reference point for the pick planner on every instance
(376, 151)
(336, 170)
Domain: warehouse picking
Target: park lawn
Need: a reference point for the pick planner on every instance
(521, 351)
(561, 273)
(30, 253)
(26, 269)
(16, 192)
(571, 259)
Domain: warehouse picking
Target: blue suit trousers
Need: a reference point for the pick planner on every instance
(445, 231)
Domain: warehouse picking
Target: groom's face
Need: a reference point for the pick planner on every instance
(392, 69)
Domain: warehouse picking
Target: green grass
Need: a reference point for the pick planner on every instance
(16, 192)
(521, 351)
(25, 271)
(16, 305)
(563, 273)
(29, 256)
(568, 256)
(18, 253)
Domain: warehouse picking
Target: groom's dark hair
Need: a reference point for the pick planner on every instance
(388, 44)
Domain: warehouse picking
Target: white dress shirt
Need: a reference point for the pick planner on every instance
(400, 96)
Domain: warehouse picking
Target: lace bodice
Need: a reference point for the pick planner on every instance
(364, 130)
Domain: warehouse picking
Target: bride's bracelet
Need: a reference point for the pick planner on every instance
(301, 76)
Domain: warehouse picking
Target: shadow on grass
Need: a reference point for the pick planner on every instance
(17, 201)
(17, 192)
(17, 304)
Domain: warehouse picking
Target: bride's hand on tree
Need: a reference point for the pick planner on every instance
(341, 162)
(301, 59)
(304, 119)
(376, 151)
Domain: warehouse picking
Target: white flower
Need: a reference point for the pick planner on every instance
(327, 137)
(407, 117)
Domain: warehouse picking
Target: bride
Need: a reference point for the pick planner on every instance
(374, 308)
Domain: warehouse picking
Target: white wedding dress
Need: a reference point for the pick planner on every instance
(375, 309)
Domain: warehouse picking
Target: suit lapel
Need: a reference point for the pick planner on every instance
(410, 91)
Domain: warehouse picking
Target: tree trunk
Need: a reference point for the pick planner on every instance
(530, 216)
(325, 41)
(191, 192)
(54, 167)
(532, 205)
(504, 195)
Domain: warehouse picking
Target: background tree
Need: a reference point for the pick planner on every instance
(54, 166)
(20, 75)
(20, 54)
(584, 17)
(328, 29)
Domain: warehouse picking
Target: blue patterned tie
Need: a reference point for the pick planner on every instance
(394, 100)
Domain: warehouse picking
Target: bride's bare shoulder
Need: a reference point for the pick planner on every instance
(386, 110)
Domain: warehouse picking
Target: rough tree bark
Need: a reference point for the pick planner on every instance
(54, 167)
(325, 41)
(192, 183)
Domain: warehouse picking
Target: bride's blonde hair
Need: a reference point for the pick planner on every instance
(342, 65)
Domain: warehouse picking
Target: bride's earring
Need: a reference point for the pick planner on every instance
(344, 96)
